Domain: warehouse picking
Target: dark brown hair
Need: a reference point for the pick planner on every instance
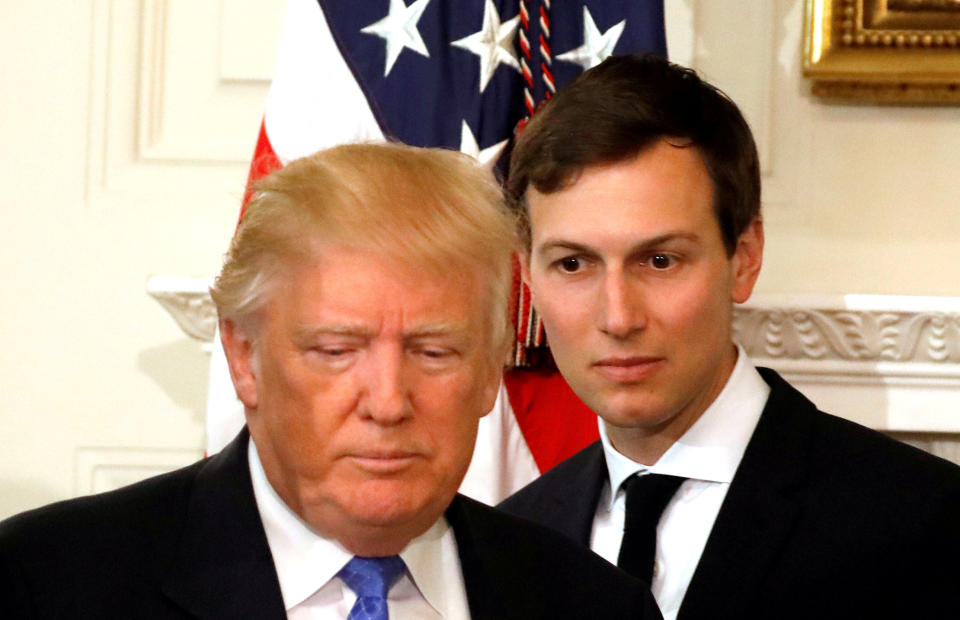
(623, 106)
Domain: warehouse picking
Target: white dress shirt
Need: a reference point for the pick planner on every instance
(307, 565)
(708, 455)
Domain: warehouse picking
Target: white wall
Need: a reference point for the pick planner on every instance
(857, 198)
(127, 128)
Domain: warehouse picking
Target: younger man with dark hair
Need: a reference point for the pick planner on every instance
(638, 192)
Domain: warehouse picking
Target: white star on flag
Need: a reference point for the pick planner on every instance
(468, 145)
(493, 43)
(596, 46)
(399, 30)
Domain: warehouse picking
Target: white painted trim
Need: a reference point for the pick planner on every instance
(889, 362)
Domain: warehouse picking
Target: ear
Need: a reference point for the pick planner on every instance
(491, 390)
(747, 260)
(238, 347)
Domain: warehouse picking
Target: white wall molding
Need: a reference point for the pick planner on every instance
(888, 362)
(915, 331)
(105, 469)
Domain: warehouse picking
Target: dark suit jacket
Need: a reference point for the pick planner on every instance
(823, 519)
(190, 544)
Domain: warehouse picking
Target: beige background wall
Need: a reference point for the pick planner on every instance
(127, 128)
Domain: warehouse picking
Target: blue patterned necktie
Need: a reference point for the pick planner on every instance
(371, 579)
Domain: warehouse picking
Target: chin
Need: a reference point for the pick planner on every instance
(637, 413)
(387, 503)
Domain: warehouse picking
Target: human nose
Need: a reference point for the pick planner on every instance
(621, 311)
(386, 402)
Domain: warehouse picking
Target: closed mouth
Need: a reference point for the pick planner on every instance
(627, 369)
(383, 462)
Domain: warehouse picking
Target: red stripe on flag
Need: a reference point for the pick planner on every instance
(264, 162)
(554, 422)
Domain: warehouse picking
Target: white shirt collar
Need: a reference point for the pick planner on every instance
(712, 447)
(306, 561)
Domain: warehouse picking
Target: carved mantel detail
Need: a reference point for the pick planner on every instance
(889, 362)
(188, 302)
(849, 335)
(848, 328)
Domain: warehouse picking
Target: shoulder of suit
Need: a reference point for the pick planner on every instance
(493, 526)
(548, 563)
(554, 480)
(845, 451)
(848, 440)
(141, 512)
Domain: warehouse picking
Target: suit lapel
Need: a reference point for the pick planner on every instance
(482, 573)
(572, 504)
(759, 511)
(224, 568)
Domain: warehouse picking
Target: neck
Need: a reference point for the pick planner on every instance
(371, 545)
(372, 538)
(640, 445)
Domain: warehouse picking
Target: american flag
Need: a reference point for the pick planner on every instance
(460, 74)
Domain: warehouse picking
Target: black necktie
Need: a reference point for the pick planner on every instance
(647, 496)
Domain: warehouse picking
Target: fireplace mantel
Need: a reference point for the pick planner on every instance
(888, 362)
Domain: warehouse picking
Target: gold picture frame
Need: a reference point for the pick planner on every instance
(883, 51)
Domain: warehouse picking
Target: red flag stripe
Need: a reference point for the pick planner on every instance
(264, 161)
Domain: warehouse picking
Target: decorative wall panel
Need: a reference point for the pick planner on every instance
(171, 83)
(104, 469)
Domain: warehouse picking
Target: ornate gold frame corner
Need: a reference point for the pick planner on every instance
(883, 51)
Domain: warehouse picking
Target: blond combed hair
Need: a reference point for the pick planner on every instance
(434, 209)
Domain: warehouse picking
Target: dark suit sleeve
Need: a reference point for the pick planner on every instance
(516, 569)
(15, 596)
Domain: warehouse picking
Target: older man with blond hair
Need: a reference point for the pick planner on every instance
(363, 312)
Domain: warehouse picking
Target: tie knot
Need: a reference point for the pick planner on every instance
(648, 495)
(372, 577)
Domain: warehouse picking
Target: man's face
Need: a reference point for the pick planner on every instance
(629, 273)
(363, 390)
